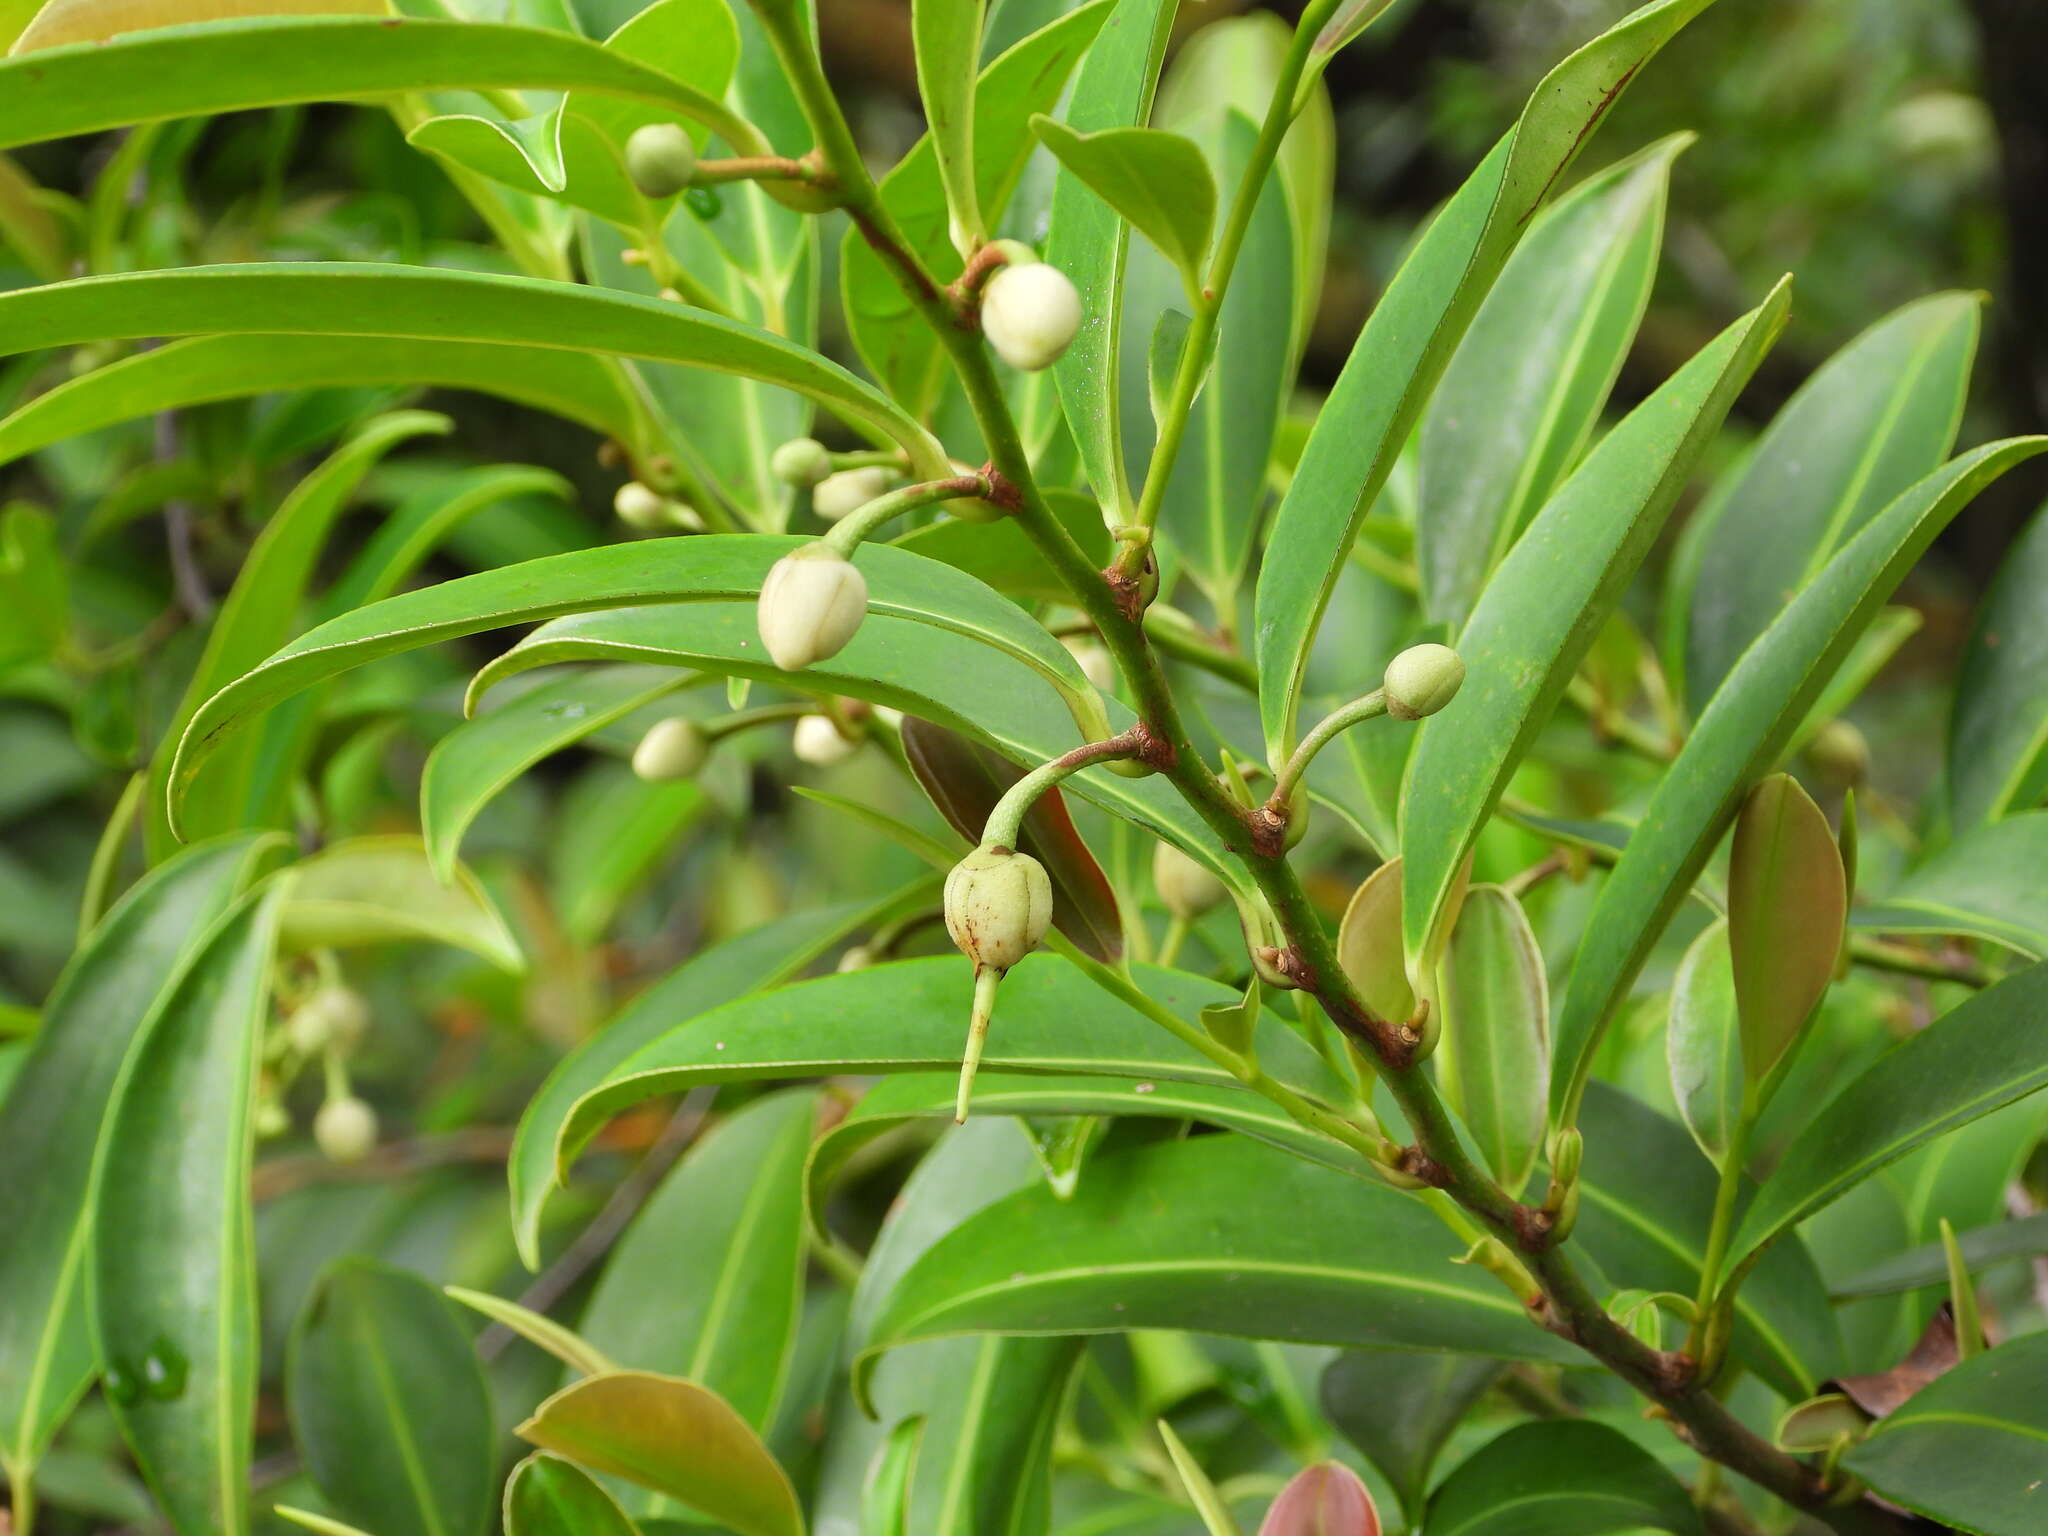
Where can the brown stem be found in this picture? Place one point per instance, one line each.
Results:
(711, 173)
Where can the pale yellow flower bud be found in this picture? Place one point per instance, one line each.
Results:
(1030, 314)
(672, 749)
(811, 604)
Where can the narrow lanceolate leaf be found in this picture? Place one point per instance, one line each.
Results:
(1967, 1449)
(1209, 1235)
(1527, 385)
(389, 1406)
(381, 890)
(1157, 182)
(1090, 243)
(948, 46)
(1564, 1476)
(1408, 340)
(1400, 1407)
(762, 957)
(98, 21)
(1985, 885)
(1987, 1053)
(1703, 1043)
(1998, 735)
(1494, 1059)
(419, 304)
(707, 1281)
(1351, 19)
(1878, 417)
(676, 1438)
(547, 1496)
(1750, 721)
(1201, 1491)
(51, 1121)
(174, 1269)
(1539, 615)
(1787, 898)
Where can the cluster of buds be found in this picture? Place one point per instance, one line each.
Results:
(326, 1026)
(661, 159)
(998, 907)
(1030, 311)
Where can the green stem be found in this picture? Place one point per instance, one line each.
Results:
(1712, 1294)
(1176, 935)
(1007, 819)
(1371, 707)
(1904, 960)
(851, 531)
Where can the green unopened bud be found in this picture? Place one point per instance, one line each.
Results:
(1187, 886)
(333, 1018)
(1840, 755)
(802, 461)
(998, 906)
(345, 1130)
(661, 159)
(672, 749)
(848, 491)
(1422, 680)
(1030, 313)
(811, 604)
(819, 742)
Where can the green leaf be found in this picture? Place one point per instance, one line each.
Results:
(1986, 1053)
(1369, 944)
(1409, 339)
(1563, 1477)
(1209, 1504)
(380, 890)
(420, 304)
(547, 1496)
(1985, 885)
(1928, 1264)
(1002, 555)
(173, 1292)
(1156, 181)
(1646, 1205)
(1998, 733)
(1088, 242)
(1539, 615)
(707, 1280)
(389, 1406)
(33, 586)
(1401, 1408)
(537, 1329)
(1739, 737)
(1703, 1043)
(1208, 1235)
(1877, 418)
(947, 39)
(1494, 1059)
(1787, 898)
(1967, 1449)
(51, 1121)
(762, 957)
(323, 1524)
(676, 1438)
(910, 1016)
(615, 832)
(1525, 388)
(92, 21)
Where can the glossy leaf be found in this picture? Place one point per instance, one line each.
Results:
(537, 1329)
(377, 890)
(389, 1406)
(1986, 1053)
(1748, 723)
(1526, 387)
(1703, 1043)
(1539, 615)
(1967, 1450)
(1986, 885)
(1564, 1477)
(1157, 182)
(1003, 556)
(1998, 732)
(616, 831)
(1878, 417)
(947, 35)
(173, 1292)
(1401, 1408)
(1408, 340)
(1494, 1059)
(1786, 901)
(547, 1496)
(676, 1438)
(1369, 944)
(1927, 1265)
(98, 21)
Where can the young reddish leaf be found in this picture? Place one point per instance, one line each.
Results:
(1324, 1500)
(1933, 1355)
(1787, 901)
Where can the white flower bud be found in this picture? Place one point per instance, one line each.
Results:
(661, 159)
(800, 461)
(998, 906)
(848, 491)
(1187, 887)
(811, 604)
(1422, 680)
(345, 1129)
(672, 749)
(817, 741)
(858, 958)
(332, 1018)
(1030, 314)
(646, 509)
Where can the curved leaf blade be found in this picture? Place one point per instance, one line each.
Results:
(547, 1496)
(1787, 897)
(1561, 1478)
(1494, 1059)
(1998, 733)
(1703, 1043)
(1986, 885)
(382, 889)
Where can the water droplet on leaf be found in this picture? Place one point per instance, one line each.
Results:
(121, 1383)
(164, 1370)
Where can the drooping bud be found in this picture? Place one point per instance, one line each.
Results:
(345, 1129)
(811, 604)
(998, 906)
(661, 159)
(818, 741)
(1187, 886)
(1324, 1500)
(802, 461)
(1030, 313)
(1422, 680)
(333, 1018)
(642, 507)
(848, 491)
(672, 749)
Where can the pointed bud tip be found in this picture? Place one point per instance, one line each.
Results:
(1327, 1499)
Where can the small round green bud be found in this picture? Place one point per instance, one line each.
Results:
(1030, 314)
(345, 1130)
(1840, 755)
(661, 159)
(848, 491)
(674, 748)
(1187, 886)
(333, 1018)
(801, 461)
(998, 906)
(817, 741)
(1422, 680)
(811, 604)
